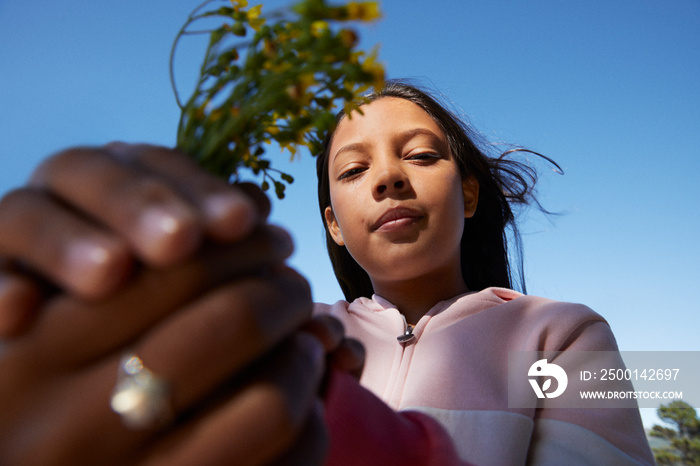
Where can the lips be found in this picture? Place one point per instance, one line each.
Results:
(396, 218)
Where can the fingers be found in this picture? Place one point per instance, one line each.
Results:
(89, 211)
(154, 199)
(252, 423)
(233, 325)
(58, 393)
(228, 213)
(345, 354)
(260, 421)
(157, 223)
(152, 295)
(349, 357)
(67, 248)
(327, 329)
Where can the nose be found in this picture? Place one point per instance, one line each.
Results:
(390, 179)
(397, 185)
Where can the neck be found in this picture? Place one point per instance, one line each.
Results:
(415, 297)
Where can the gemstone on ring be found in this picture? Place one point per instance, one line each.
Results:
(141, 398)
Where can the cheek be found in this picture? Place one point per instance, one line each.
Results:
(344, 206)
(445, 194)
(448, 208)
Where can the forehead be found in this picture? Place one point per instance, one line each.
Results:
(383, 118)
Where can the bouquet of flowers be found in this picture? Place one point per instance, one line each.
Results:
(279, 78)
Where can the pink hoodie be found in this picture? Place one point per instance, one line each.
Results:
(455, 371)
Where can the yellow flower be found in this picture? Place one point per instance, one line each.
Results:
(318, 28)
(363, 11)
(254, 12)
(254, 18)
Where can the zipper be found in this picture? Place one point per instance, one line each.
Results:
(393, 392)
(408, 335)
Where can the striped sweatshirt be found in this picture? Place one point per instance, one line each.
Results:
(442, 396)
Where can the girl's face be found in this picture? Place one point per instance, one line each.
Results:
(398, 202)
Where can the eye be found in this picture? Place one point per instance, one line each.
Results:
(350, 173)
(425, 157)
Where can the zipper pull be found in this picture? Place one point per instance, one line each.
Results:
(407, 336)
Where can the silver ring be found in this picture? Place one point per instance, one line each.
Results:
(140, 397)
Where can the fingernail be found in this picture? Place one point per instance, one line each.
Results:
(86, 262)
(167, 232)
(231, 216)
(159, 222)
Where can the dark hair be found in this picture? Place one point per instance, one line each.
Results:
(502, 183)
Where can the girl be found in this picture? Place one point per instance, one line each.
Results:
(416, 219)
(415, 216)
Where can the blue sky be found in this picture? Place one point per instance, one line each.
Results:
(609, 89)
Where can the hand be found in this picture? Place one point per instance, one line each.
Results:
(65, 216)
(343, 354)
(88, 214)
(57, 379)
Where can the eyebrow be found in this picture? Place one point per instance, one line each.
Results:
(411, 133)
(354, 147)
(402, 138)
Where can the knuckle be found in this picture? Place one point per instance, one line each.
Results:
(149, 189)
(18, 196)
(234, 320)
(133, 153)
(249, 314)
(220, 304)
(20, 211)
(12, 199)
(55, 164)
(156, 155)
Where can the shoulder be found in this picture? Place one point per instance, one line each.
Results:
(535, 310)
(549, 324)
(545, 309)
(330, 309)
(340, 310)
